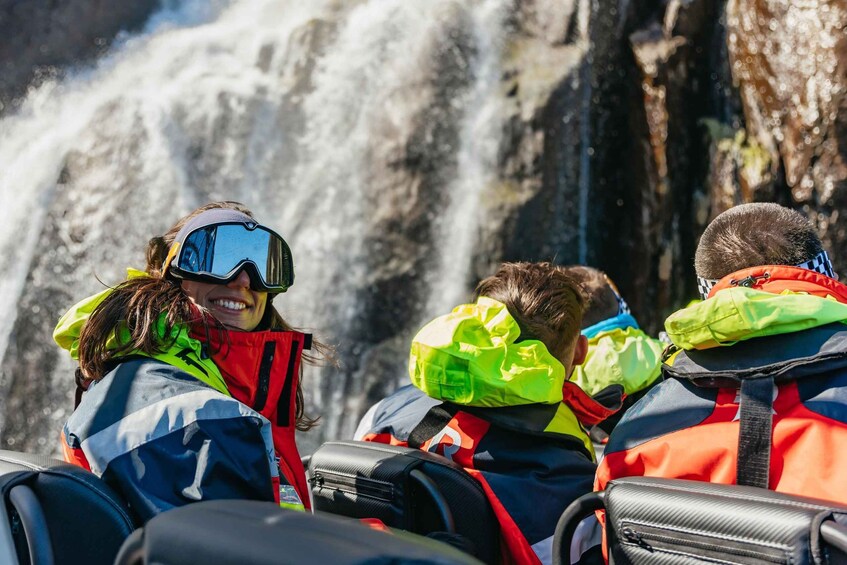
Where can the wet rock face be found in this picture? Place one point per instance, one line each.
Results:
(607, 132)
(738, 103)
(657, 78)
(790, 62)
(532, 211)
(40, 37)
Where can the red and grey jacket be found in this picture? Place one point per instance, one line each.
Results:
(529, 473)
(262, 370)
(187, 426)
(755, 391)
(162, 439)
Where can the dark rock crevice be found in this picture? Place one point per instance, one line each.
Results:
(41, 38)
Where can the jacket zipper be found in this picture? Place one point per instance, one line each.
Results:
(283, 407)
(264, 376)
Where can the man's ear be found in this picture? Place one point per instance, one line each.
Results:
(580, 350)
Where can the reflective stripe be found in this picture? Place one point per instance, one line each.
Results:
(165, 417)
(588, 534)
(544, 550)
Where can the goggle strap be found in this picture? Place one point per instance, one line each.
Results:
(172, 252)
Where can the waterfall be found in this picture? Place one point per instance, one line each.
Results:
(363, 133)
(479, 143)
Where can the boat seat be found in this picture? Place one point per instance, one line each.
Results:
(405, 488)
(235, 532)
(652, 520)
(57, 513)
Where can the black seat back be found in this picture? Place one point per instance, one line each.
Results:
(670, 521)
(58, 513)
(407, 489)
(238, 532)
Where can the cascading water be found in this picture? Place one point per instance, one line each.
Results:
(479, 143)
(364, 134)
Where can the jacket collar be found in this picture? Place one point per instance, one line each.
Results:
(259, 368)
(779, 278)
(620, 321)
(787, 322)
(183, 351)
(757, 302)
(785, 357)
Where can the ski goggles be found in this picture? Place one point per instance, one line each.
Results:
(213, 251)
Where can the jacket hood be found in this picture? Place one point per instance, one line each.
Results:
(470, 357)
(779, 278)
(738, 313)
(185, 352)
(619, 355)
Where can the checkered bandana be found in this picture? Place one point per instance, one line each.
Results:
(623, 307)
(819, 264)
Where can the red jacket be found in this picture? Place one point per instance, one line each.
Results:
(262, 370)
(688, 426)
(529, 467)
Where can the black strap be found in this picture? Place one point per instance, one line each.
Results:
(434, 421)
(82, 384)
(283, 407)
(264, 382)
(754, 436)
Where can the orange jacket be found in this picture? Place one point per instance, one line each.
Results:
(688, 426)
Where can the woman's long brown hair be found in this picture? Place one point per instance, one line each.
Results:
(137, 304)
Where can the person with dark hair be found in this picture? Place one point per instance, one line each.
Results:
(619, 352)
(191, 377)
(490, 391)
(755, 389)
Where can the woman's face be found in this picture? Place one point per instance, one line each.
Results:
(234, 303)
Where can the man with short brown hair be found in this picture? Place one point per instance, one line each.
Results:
(491, 392)
(755, 388)
(763, 233)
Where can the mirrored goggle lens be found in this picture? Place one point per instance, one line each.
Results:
(219, 251)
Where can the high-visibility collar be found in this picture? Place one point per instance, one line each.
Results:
(758, 301)
(779, 278)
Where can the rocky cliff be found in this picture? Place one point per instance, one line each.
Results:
(406, 148)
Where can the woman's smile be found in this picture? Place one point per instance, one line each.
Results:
(234, 304)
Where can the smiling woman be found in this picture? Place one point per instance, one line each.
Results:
(228, 264)
(192, 378)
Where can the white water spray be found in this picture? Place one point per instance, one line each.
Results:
(479, 143)
(284, 105)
